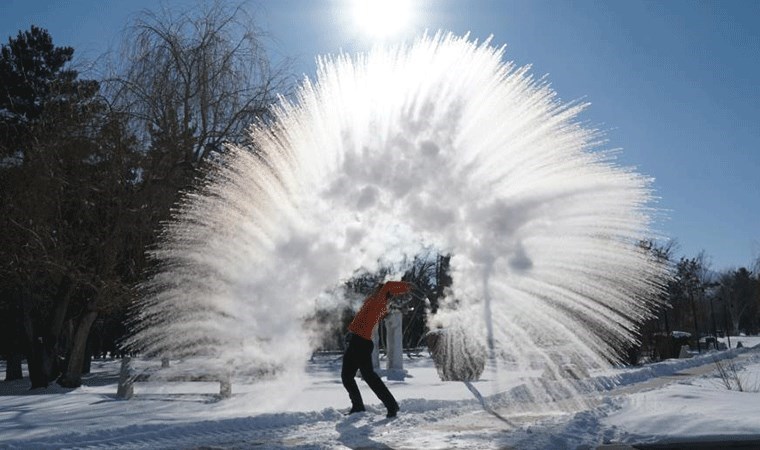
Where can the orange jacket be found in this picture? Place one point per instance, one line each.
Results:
(375, 307)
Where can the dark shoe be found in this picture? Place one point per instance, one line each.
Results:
(392, 412)
(356, 409)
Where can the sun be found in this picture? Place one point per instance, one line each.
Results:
(381, 18)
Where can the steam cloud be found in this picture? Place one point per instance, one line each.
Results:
(438, 143)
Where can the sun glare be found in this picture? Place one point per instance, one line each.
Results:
(381, 18)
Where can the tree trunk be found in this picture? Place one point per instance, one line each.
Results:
(13, 366)
(72, 377)
(42, 350)
(63, 298)
(87, 362)
(34, 353)
(42, 363)
(15, 351)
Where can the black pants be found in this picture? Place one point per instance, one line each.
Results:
(358, 356)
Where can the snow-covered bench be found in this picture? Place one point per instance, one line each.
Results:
(127, 379)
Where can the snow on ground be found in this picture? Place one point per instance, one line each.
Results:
(673, 401)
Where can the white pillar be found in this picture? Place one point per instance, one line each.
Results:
(125, 390)
(395, 350)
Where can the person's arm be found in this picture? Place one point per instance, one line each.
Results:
(396, 288)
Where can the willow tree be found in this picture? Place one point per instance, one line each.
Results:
(190, 82)
(193, 81)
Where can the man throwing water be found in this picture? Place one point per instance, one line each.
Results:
(358, 355)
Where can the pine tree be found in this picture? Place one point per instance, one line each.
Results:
(32, 72)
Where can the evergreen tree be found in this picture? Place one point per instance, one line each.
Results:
(32, 73)
(64, 190)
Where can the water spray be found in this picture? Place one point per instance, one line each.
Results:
(542, 225)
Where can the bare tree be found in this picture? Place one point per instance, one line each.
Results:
(84, 187)
(189, 81)
(194, 80)
(691, 279)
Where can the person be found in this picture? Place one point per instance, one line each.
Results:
(358, 354)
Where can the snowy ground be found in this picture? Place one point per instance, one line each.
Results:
(674, 401)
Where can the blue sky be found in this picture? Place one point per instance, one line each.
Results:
(675, 84)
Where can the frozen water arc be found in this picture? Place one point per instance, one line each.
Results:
(436, 143)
